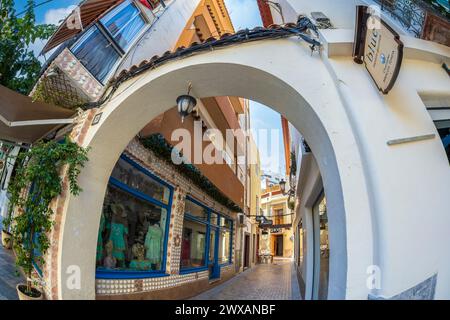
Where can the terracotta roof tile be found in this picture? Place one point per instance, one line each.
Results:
(256, 33)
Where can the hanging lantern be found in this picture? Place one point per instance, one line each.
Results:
(186, 104)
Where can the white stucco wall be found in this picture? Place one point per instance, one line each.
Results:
(163, 34)
(389, 203)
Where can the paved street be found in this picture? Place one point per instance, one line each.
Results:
(8, 278)
(275, 281)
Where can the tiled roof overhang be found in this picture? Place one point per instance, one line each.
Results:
(302, 29)
(89, 12)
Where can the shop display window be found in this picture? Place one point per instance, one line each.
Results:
(193, 245)
(224, 246)
(201, 227)
(134, 220)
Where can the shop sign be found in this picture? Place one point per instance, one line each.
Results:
(379, 47)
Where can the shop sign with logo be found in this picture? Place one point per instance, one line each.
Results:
(379, 47)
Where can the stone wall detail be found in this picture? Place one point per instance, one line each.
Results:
(423, 291)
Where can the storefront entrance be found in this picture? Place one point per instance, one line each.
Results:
(247, 251)
(279, 245)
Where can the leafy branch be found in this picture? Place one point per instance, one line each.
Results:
(37, 182)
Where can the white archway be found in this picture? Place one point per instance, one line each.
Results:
(281, 74)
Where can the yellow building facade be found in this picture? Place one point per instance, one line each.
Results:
(277, 239)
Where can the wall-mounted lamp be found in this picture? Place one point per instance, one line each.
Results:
(283, 186)
(186, 104)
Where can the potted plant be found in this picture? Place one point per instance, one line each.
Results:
(6, 235)
(37, 182)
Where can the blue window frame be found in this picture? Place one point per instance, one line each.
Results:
(124, 23)
(102, 45)
(212, 230)
(147, 212)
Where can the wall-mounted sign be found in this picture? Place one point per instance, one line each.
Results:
(379, 47)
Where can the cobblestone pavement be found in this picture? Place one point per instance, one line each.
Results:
(8, 278)
(275, 281)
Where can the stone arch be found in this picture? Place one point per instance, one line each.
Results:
(282, 75)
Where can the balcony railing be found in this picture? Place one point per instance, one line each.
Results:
(420, 17)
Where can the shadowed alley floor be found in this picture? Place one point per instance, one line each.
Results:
(275, 281)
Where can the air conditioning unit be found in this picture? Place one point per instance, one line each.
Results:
(241, 220)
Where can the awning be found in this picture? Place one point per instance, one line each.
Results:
(87, 12)
(22, 120)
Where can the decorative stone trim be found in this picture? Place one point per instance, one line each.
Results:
(73, 68)
(59, 206)
(125, 286)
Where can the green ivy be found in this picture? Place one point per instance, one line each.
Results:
(37, 182)
(161, 148)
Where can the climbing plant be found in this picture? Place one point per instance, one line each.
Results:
(37, 182)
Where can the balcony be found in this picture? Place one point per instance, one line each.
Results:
(420, 18)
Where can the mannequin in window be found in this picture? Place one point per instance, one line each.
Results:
(153, 242)
(119, 234)
(109, 262)
(139, 262)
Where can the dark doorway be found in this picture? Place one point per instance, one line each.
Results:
(279, 245)
(247, 251)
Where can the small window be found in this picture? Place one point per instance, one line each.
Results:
(96, 53)
(195, 210)
(124, 24)
(138, 180)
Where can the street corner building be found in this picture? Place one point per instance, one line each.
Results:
(365, 118)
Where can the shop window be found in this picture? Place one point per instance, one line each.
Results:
(207, 238)
(193, 245)
(195, 210)
(224, 246)
(134, 221)
(126, 173)
(214, 218)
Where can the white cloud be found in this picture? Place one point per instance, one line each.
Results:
(54, 16)
(244, 13)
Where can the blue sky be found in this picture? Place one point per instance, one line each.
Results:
(244, 14)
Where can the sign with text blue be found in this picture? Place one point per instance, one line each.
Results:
(383, 53)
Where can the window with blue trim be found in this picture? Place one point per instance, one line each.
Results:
(193, 246)
(201, 226)
(103, 44)
(134, 222)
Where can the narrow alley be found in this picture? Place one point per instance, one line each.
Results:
(276, 281)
